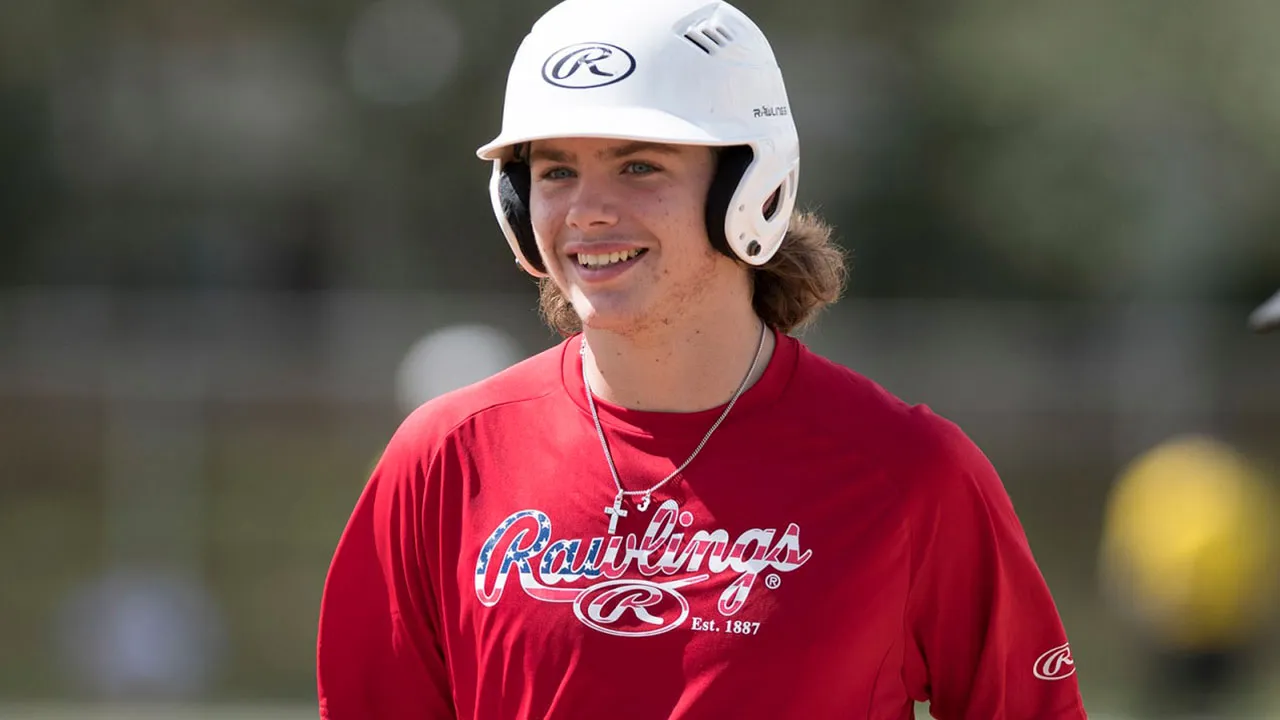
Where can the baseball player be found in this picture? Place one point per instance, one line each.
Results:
(680, 511)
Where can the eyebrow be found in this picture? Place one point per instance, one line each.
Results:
(620, 151)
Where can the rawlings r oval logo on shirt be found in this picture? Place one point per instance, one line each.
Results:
(1056, 664)
(634, 607)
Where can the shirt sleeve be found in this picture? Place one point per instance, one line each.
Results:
(984, 639)
(378, 653)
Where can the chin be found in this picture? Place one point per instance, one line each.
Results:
(612, 322)
(618, 317)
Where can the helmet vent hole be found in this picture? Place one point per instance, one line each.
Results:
(708, 37)
(771, 205)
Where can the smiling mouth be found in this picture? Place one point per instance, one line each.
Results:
(591, 260)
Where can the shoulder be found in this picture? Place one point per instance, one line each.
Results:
(433, 422)
(924, 451)
(838, 394)
(852, 400)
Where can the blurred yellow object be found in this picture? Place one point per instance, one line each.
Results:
(1189, 543)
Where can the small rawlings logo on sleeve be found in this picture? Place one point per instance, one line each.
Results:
(1056, 664)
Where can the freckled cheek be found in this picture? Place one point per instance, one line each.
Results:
(547, 219)
(680, 221)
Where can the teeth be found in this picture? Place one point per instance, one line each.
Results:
(600, 260)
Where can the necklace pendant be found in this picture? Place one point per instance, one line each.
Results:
(643, 505)
(614, 512)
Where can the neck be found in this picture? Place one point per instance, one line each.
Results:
(677, 368)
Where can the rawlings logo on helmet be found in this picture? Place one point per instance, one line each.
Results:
(588, 65)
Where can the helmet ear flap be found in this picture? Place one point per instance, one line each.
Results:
(730, 169)
(511, 199)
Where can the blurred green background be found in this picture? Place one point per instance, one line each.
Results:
(239, 240)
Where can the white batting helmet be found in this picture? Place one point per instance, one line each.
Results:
(682, 72)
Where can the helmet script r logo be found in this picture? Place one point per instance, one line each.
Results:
(588, 65)
(1056, 664)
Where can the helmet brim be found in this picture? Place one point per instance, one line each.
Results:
(621, 123)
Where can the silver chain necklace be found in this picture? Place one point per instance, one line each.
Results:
(615, 511)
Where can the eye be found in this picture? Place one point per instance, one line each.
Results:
(556, 173)
(639, 167)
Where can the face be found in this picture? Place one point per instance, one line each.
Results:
(622, 231)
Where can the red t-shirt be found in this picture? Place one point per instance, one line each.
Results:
(832, 553)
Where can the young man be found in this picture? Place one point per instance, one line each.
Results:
(679, 511)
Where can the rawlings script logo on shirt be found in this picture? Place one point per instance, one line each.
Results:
(606, 601)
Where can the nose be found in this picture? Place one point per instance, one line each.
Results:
(591, 207)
